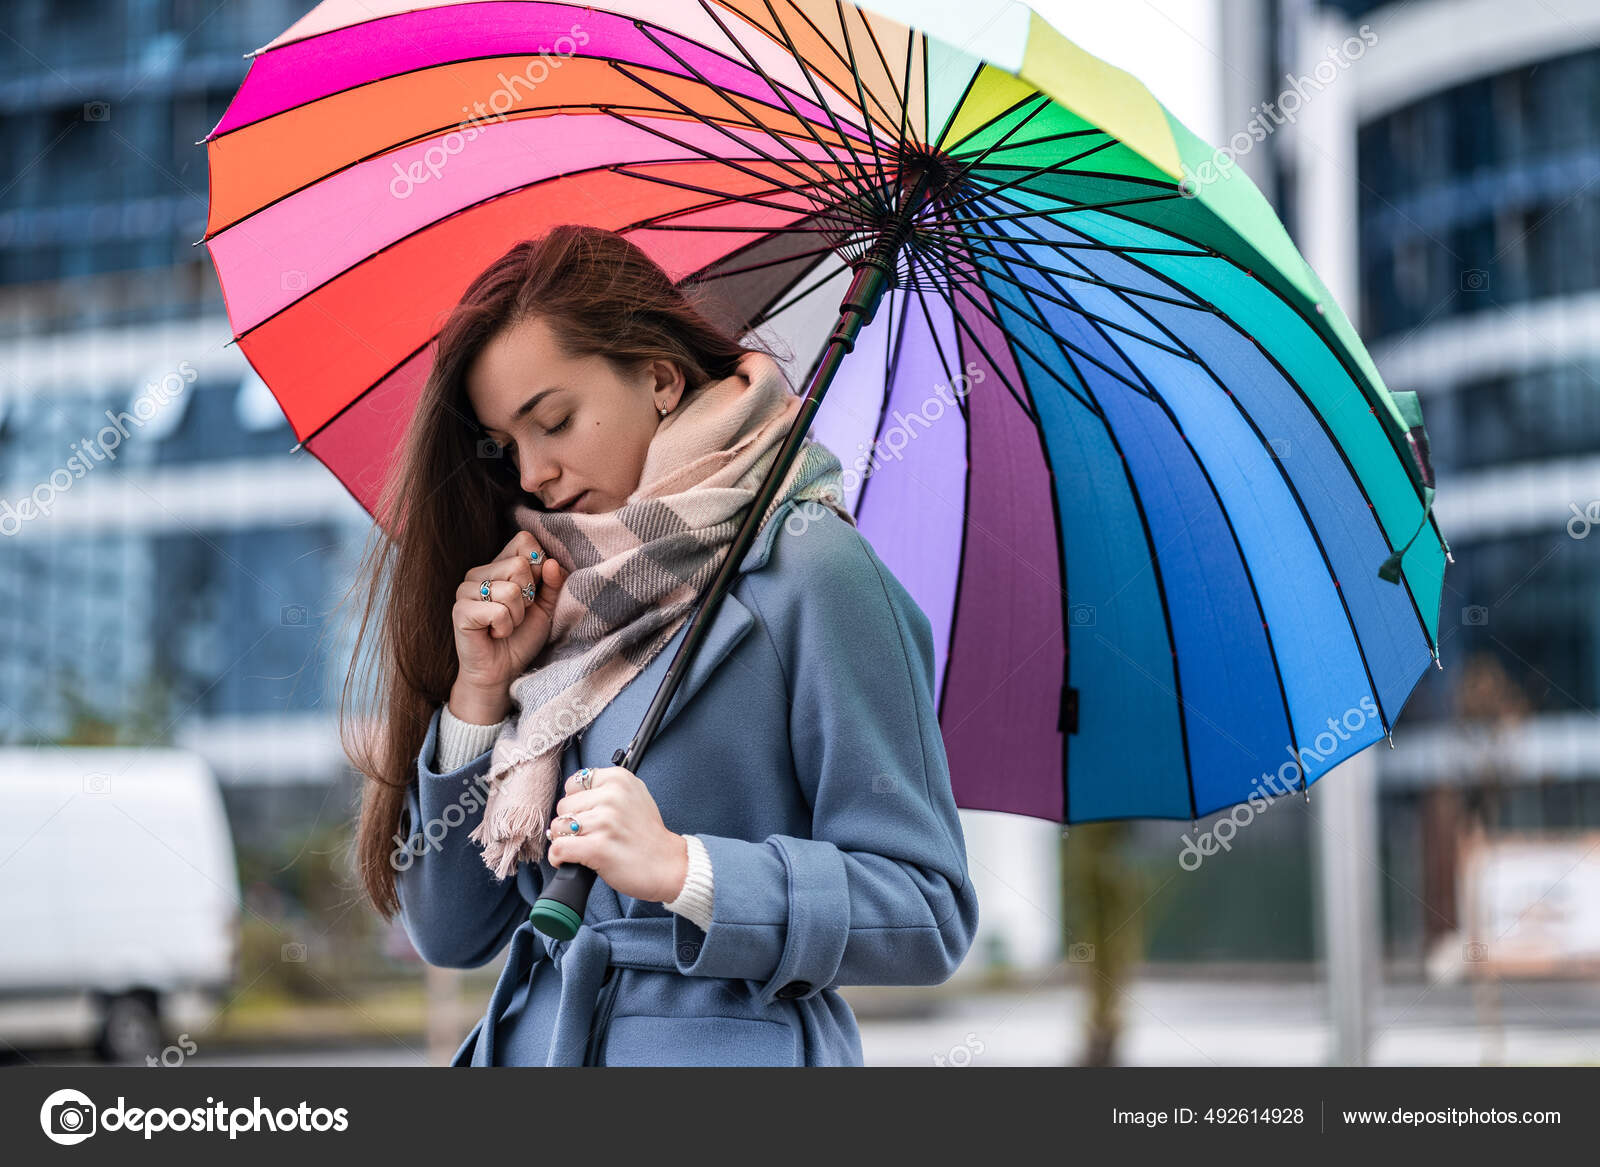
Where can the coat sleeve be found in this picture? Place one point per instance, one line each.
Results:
(456, 912)
(879, 893)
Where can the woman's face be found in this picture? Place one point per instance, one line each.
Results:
(571, 426)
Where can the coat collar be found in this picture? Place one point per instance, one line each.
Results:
(728, 627)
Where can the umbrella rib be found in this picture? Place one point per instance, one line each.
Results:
(805, 69)
(1294, 492)
(1027, 143)
(717, 196)
(1043, 105)
(1289, 380)
(727, 97)
(1037, 359)
(1081, 244)
(1053, 491)
(693, 149)
(1072, 305)
(597, 107)
(1156, 398)
(1061, 166)
(966, 91)
(1094, 408)
(1070, 208)
(902, 95)
(1078, 276)
(1156, 570)
(768, 313)
(805, 121)
(1337, 353)
(891, 351)
(716, 125)
(715, 273)
(827, 40)
(861, 94)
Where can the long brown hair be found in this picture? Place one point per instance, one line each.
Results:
(446, 504)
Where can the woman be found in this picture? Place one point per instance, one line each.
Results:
(793, 829)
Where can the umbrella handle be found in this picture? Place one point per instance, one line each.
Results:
(559, 911)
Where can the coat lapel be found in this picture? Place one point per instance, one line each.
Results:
(729, 626)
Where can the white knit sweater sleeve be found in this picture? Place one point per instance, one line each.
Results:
(694, 900)
(461, 741)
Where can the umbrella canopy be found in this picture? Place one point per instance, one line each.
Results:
(1108, 427)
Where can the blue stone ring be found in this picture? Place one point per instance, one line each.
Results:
(483, 589)
(587, 775)
(535, 556)
(574, 828)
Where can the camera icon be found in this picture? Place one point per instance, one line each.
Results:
(1081, 615)
(1475, 614)
(489, 448)
(97, 784)
(1475, 953)
(72, 1118)
(1474, 279)
(1280, 448)
(294, 281)
(292, 615)
(97, 111)
(1081, 953)
(882, 783)
(294, 952)
(688, 951)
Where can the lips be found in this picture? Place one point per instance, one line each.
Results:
(569, 503)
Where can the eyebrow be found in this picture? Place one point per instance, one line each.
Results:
(527, 406)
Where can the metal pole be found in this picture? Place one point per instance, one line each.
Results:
(1344, 802)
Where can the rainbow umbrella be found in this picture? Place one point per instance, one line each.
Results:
(1095, 410)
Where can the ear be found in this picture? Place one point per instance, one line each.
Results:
(669, 382)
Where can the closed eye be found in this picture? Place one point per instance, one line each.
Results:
(557, 429)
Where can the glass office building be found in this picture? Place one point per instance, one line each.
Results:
(180, 585)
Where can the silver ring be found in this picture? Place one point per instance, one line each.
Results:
(535, 556)
(529, 591)
(587, 775)
(483, 589)
(575, 827)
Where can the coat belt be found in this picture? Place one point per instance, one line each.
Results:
(623, 941)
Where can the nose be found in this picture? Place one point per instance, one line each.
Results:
(534, 473)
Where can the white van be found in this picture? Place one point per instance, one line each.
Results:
(119, 898)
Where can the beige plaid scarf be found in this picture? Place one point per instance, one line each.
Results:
(637, 573)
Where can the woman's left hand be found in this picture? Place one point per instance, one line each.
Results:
(623, 838)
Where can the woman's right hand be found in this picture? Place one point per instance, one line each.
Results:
(497, 638)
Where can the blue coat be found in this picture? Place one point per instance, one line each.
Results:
(811, 765)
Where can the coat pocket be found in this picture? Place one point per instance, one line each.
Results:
(638, 1039)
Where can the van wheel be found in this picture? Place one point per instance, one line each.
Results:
(131, 1031)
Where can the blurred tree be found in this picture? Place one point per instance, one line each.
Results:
(1104, 935)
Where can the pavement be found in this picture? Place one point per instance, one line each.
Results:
(1167, 1022)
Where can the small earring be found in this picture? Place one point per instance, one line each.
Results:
(663, 410)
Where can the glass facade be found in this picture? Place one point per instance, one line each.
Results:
(101, 105)
(174, 617)
(1482, 196)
